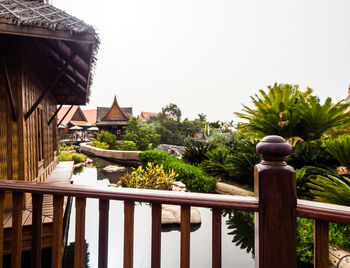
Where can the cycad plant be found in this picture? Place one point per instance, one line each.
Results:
(195, 154)
(275, 112)
(339, 148)
(317, 119)
(331, 189)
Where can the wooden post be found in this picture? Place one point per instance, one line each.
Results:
(275, 223)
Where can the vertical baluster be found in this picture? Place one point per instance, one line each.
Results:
(321, 251)
(156, 235)
(216, 238)
(16, 248)
(103, 234)
(57, 236)
(128, 234)
(185, 236)
(79, 249)
(2, 194)
(37, 204)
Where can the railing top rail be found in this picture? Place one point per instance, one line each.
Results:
(138, 195)
(322, 211)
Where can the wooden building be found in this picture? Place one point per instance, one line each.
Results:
(46, 60)
(113, 119)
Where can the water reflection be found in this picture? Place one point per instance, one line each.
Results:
(232, 255)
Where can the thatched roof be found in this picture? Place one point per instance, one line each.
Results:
(63, 38)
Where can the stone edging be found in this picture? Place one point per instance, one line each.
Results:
(224, 188)
(121, 156)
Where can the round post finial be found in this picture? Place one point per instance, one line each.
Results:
(273, 150)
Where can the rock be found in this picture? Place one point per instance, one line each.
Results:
(171, 149)
(113, 185)
(171, 214)
(174, 152)
(178, 186)
(88, 160)
(224, 188)
(112, 168)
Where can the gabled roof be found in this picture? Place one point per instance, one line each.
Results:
(90, 115)
(75, 114)
(144, 116)
(62, 38)
(113, 115)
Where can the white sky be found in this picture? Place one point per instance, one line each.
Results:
(209, 56)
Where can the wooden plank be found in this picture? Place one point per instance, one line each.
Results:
(8, 88)
(321, 250)
(18, 199)
(37, 200)
(2, 199)
(103, 233)
(128, 234)
(156, 235)
(216, 238)
(79, 248)
(57, 235)
(185, 236)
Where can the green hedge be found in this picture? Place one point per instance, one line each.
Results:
(192, 176)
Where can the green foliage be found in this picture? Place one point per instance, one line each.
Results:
(129, 146)
(304, 176)
(311, 153)
(331, 189)
(235, 163)
(195, 154)
(109, 139)
(339, 148)
(77, 158)
(171, 110)
(288, 112)
(217, 162)
(99, 144)
(317, 119)
(192, 176)
(338, 237)
(150, 177)
(144, 137)
(64, 148)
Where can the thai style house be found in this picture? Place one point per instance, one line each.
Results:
(145, 116)
(113, 119)
(46, 59)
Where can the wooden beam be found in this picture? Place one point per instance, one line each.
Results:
(34, 31)
(59, 108)
(63, 70)
(65, 115)
(8, 88)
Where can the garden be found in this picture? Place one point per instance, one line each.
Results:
(318, 132)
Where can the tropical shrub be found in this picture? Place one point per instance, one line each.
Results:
(77, 158)
(288, 112)
(192, 176)
(129, 146)
(331, 189)
(311, 153)
(64, 148)
(217, 162)
(150, 177)
(99, 144)
(109, 139)
(339, 148)
(195, 154)
(144, 137)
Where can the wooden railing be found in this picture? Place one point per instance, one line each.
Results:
(275, 205)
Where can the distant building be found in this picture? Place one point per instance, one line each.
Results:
(145, 116)
(113, 119)
(74, 116)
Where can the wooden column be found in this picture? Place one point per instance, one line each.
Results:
(103, 233)
(321, 246)
(275, 223)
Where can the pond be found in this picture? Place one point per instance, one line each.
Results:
(232, 255)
